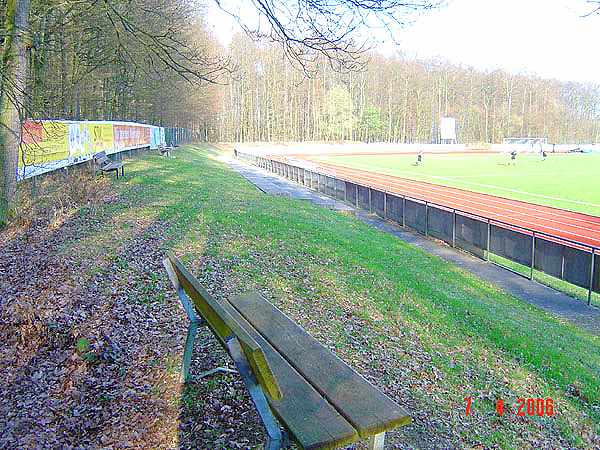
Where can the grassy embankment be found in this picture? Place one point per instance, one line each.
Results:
(447, 334)
(426, 332)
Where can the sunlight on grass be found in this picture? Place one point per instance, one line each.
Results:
(440, 330)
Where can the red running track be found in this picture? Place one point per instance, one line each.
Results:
(578, 227)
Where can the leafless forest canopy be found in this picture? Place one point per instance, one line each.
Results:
(154, 61)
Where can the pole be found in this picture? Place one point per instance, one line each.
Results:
(454, 228)
(404, 211)
(489, 234)
(591, 277)
(370, 204)
(356, 189)
(532, 255)
(385, 205)
(426, 219)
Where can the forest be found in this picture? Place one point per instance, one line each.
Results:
(154, 61)
(395, 99)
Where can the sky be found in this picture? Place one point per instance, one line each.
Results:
(549, 38)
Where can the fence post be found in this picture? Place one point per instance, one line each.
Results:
(591, 277)
(532, 255)
(403, 211)
(385, 205)
(356, 188)
(489, 234)
(370, 204)
(426, 219)
(454, 228)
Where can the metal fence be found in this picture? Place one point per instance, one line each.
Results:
(567, 260)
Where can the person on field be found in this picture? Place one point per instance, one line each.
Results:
(513, 157)
(419, 158)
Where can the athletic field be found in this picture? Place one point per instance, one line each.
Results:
(568, 181)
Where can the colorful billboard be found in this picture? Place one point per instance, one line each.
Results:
(51, 144)
(43, 142)
(130, 136)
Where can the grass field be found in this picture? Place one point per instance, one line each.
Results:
(423, 330)
(568, 181)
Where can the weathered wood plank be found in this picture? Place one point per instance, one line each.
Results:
(223, 325)
(368, 409)
(311, 420)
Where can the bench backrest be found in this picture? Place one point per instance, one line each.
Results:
(101, 158)
(224, 326)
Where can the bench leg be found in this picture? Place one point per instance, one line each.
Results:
(377, 441)
(276, 438)
(210, 372)
(122, 171)
(189, 348)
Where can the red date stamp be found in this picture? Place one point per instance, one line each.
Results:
(541, 407)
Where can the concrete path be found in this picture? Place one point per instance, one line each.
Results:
(574, 310)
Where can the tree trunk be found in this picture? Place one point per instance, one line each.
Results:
(12, 96)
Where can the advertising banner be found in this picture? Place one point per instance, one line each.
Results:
(51, 144)
(130, 136)
(100, 138)
(43, 142)
(78, 138)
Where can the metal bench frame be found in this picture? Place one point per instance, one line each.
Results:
(104, 161)
(276, 438)
(165, 150)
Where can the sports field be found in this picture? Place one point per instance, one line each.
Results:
(568, 181)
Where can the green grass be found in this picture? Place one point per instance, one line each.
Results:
(433, 334)
(568, 181)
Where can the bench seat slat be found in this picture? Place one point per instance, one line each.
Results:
(368, 409)
(112, 166)
(312, 421)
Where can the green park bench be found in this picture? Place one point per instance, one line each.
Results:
(292, 379)
(165, 150)
(105, 164)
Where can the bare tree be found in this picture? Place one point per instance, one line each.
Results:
(595, 5)
(13, 71)
(340, 30)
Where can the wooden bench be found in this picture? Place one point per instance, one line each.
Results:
(107, 165)
(165, 150)
(319, 399)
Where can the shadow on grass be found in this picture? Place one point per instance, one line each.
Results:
(419, 329)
